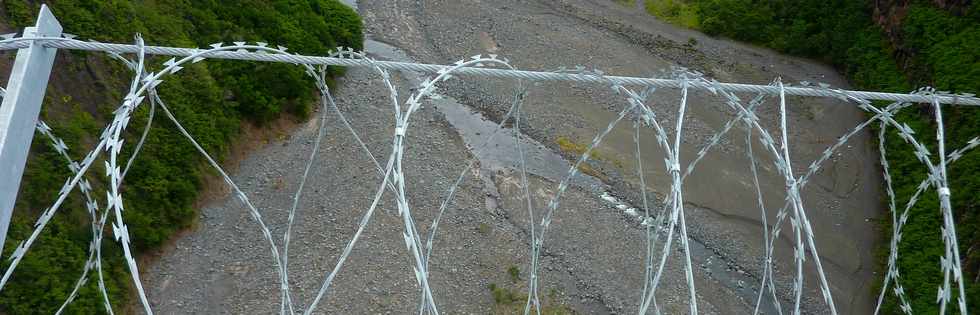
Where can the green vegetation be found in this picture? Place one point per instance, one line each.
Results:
(212, 99)
(484, 228)
(576, 149)
(936, 48)
(680, 12)
(512, 300)
(515, 274)
(502, 296)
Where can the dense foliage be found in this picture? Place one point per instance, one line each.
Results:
(212, 99)
(936, 48)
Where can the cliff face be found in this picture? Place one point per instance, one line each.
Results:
(888, 14)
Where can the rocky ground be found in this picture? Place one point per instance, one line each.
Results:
(593, 255)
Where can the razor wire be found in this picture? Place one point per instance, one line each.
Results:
(98, 224)
(393, 177)
(91, 205)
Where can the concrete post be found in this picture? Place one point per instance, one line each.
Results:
(18, 113)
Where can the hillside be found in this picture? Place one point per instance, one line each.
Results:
(213, 99)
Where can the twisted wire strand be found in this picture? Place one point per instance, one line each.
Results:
(66, 43)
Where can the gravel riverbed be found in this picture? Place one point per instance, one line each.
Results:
(593, 256)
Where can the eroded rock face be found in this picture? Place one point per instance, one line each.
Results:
(889, 15)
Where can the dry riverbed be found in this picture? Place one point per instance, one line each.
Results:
(593, 256)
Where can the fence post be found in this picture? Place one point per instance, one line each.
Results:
(21, 106)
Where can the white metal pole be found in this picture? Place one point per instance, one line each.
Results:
(21, 106)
